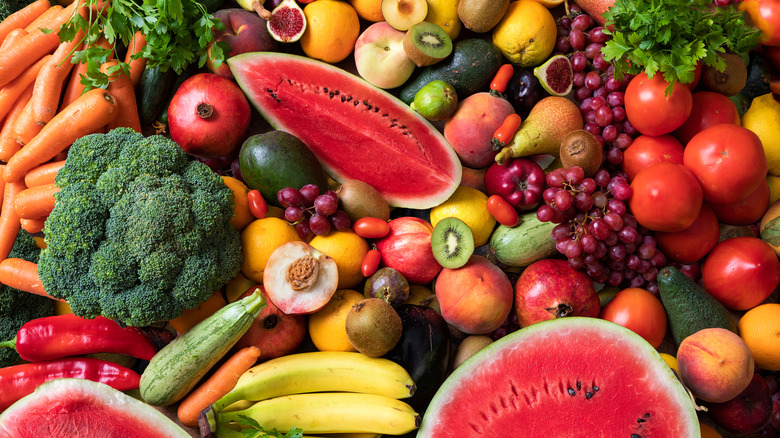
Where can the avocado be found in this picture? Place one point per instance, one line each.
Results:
(274, 160)
(689, 307)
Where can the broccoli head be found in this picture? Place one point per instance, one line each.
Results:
(140, 230)
(18, 307)
(8, 7)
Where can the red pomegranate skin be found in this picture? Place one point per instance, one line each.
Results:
(550, 288)
(209, 116)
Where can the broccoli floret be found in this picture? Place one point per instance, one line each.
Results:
(140, 230)
(18, 307)
(8, 7)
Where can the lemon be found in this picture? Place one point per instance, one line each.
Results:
(470, 206)
(347, 249)
(670, 360)
(774, 188)
(328, 326)
(445, 14)
(526, 35)
(259, 239)
(763, 118)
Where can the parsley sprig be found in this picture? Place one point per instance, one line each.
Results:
(255, 430)
(672, 36)
(178, 33)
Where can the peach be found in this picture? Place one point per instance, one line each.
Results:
(380, 57)
(407, 249)
(715, 364)
(475, 298)
(470, 130)
(244, 32)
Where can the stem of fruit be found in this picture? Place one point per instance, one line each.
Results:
(264, 13)
(204, 110)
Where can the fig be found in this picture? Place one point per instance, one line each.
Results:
(387, 284)
(287, 22)
(556, 75)
(437, 100)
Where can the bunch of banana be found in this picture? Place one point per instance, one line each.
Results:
(322, 393)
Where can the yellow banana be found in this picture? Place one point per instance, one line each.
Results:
(320, 371)
(329, 412)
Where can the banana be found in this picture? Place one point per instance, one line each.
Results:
(329, 412)
(320, 371)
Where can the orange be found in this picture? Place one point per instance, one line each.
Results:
(347, 249)
(759, 327)
(332, 28)
(259, 239)
(241, 216)
(327, 326)
(370, 10)
(708, 431)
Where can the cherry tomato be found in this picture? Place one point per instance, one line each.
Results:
(639, 311)
(746, 211)
(506, 131)
(647, 149)
(371, 227)
(666, 197)
(709, 108)
(502, 77)
(694, 242)
(257, 205)
(728, 161)
(504, 213)
(741, 272)
(650, 111)
(370, 262)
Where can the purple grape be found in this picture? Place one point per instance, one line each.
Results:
(583, 92)
(583, 201)
(578, 80)
(293, 213)
(604, 116)
(616, 98)
(581, 22)
(613, 220)
(589, 117)
(310, 193)
(289, 196)
(575, 175)
(576, 263)
(577, 39)
(616, 206)
(623, 140)
(615, 155)
(579, 61)
(565, 22)
(563, 200)
(545, 213)
(319, 225)
(593, 49)
(325, 205)
(601, 64)
(618, 115)
(302, 228)
(597, 35)
(593, 80)
(340, 221)
(612, 84)
(588, 185)
(593, 127)
(615, 278)
(597, 102)
(562, 44)
(609, 133)
(588, 243)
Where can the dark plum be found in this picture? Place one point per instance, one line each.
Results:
(523, 91)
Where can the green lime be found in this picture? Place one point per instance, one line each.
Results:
(437, 100)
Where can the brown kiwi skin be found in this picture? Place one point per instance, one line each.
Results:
(358, 200)
(728, 82)
(581, 148)
(481, 15)
(373, 327)
(468, 347)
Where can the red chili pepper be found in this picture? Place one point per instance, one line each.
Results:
(506, 131)
(501, 79)
(19, 380)
(58, 336)
(257, 205)
(370, 262)
(371, 227)
(502, 211)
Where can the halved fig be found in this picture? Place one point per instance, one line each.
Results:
(298, 279)
(556, 75)
(287, 22)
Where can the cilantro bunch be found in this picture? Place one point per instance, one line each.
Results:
(255, 430)
(672, 36)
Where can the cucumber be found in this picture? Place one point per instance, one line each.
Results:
(152, 93)
(180, 365)
(529, 241)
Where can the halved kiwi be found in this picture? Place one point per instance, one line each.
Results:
(427, 43)
(452, 242)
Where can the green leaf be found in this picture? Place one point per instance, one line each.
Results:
(771, 232)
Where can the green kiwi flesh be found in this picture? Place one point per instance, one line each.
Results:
(452, 242)
(427, 43)
(373, 327)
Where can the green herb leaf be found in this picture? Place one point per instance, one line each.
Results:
(255, 430)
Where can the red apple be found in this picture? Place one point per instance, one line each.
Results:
(520, 181)
(273, 331)
(746, 413)
(244, 32)
(550, 288)
(407, 249)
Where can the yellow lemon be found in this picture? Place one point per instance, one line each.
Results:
(259, 239)
(670, 360)
(763, 118)
(332, 27)
(526, 35)
(774, 188)
(445, 14)
(327, 326)
(347, 249)
(469, 205)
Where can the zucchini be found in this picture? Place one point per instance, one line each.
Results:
(152, 92)
(179, 366)
(531, 240)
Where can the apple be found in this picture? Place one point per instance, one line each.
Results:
(407, 248)
(244, 32)
(746, 413)
(273, 331)
(380, 57)
(520, 181)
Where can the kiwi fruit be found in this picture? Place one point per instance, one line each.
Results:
(373, 327)
(358, 200)
(388, 284)
(427, 43)
(481, 15)
(581, 148)
(728, 82)
(452, 242)
(468, 347)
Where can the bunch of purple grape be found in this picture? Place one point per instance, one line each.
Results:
(312, 212)
(596, 232)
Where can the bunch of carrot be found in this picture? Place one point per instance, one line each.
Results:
(44, 108)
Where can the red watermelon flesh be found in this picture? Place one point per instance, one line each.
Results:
(355, 129)
(75, 408)
(568, 377)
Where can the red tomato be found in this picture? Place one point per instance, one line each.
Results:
(639, 311)
(257, 205)
(741, 272)
(650, 111)
(370, 262)
(696, 76)
(666, 197)
(765, 15)
(694, 242)
(502, 211)
(647, 150)
(709, 108)
(371, 227)
(728, 161)
(746, 211)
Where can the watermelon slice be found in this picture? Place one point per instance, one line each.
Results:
(83, 408)
(356, 130)
(568, 377)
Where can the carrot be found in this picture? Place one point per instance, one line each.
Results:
(137, 65)
(50, 80)
(44, 18)
(35, 202)
(25, 127)
(75, 88)
(12, 37)
(23, 275)
(43, 174)
(11, 91)
(121, 87)
(93, 109)
(32, 226)
(23, 17)
(8, 143)
(9, 220)
(215, 387)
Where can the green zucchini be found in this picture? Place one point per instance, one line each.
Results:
(179, 366)
(152, 93)
(531, 240)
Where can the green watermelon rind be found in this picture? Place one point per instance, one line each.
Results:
(240, 66)
(489, 357)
